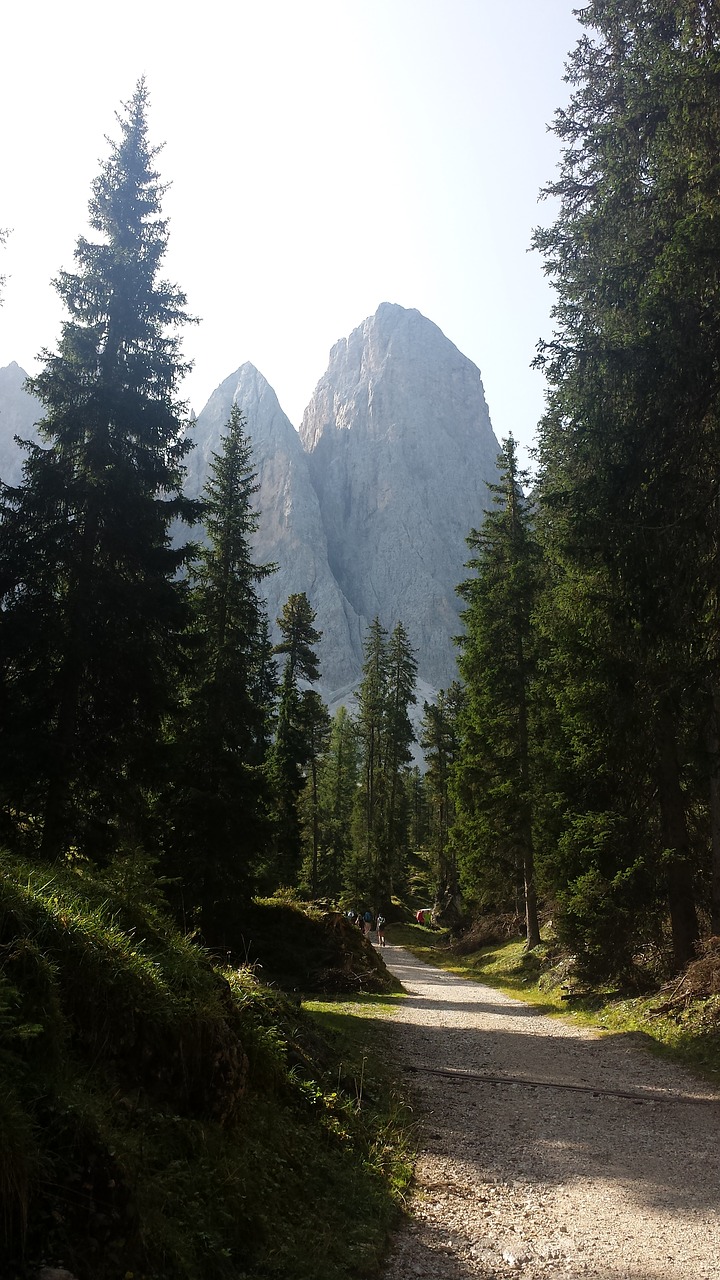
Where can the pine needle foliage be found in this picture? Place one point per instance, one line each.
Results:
(493, 774)
(92, 608)
(628, 454)
(218, 831)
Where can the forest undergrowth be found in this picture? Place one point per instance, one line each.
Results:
(165, 1115)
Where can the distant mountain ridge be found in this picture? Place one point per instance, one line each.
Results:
(368, 506)
(19, 412)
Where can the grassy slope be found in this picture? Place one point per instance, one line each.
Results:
(687, 1032)
(166, 1118)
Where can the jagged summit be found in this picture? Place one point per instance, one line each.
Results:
(290, 532)
(367, 508)
(269, 426)
(400, 449)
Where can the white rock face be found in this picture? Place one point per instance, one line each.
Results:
(290, 532)
(401, 449)
(368, 508)
(18, 414)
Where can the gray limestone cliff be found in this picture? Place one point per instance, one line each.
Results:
(290, 531)
(400, 449)
(367, 509)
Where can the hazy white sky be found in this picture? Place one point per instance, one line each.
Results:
(324, 155)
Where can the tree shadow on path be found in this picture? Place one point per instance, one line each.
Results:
(664, 1155)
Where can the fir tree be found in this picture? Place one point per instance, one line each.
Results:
(631, 440)
(316, 722)
(295, 735)
(493, 784)
(337, 787)
(400, 735)
(439, 740)
(92, 608)
(385, 735)
(220, 822)
(372, 726)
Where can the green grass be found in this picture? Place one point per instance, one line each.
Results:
(174, 1119)
(355, 1028)
(689, 1035)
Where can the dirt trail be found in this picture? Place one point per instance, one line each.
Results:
(523, 1180)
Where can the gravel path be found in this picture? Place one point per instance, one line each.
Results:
(537, 1182)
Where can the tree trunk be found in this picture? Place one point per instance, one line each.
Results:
(315, 828)
(531, 915)
(714, 754)
(532, 925)
(681, 898)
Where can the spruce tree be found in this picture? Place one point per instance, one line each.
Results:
(439, 740)
(385, 735)
(299, 638)
(372, 741)
(630, 443)
(337, 787)
(493, 778)
(400, 735)
(316, 722)
(220, 828)
(91, 605)
(295, 736)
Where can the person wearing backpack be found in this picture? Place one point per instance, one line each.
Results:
(380, 930)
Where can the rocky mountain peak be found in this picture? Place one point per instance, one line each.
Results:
(367, 509)
(400, 450)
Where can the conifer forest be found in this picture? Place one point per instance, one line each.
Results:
(167, 761)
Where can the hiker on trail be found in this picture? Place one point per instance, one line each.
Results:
(368, 922)
(380, 929)
(420, 917)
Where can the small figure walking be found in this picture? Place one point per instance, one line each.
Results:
(367, 923)
(380, 929)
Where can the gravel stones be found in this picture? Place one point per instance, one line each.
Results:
(514, 1180)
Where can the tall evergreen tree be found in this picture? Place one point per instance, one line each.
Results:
(630, 442)
(400, 735)
(493, 783)
(371, 723)
(439, 740)
(337, 786)
(92, 608)
(299, 638)
(220, 821)
(316, 723)
(385, 735)
(295, 735)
